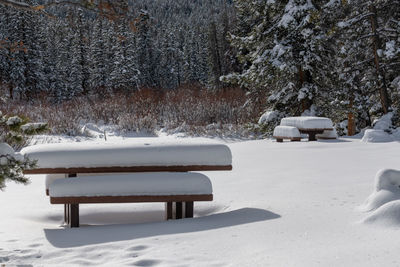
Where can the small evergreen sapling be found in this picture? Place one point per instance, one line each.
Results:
(13, 135)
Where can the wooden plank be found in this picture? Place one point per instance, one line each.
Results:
(314, 129)
(129, 199)
(279, 139)
(130, 169)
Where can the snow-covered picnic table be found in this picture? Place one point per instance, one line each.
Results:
(168, 166)
(309, 125)
(141, 155)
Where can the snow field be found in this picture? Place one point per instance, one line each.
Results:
(290, 204)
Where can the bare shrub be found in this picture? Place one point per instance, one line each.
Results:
(203, 112)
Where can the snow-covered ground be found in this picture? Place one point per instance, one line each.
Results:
(284, 204)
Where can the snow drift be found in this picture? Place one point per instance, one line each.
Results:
(384, 202)
(376, 136)
(388, 215)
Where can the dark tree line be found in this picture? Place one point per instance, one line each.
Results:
(77, 52)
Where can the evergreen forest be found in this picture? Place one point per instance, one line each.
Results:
(232, 66)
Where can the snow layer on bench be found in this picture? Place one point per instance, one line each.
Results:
(137, 184)
(286, 131)
(140, 152)
(50, 178)
(308, 122)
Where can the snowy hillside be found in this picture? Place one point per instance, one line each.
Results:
(284, 204)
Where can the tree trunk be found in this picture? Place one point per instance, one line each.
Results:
(383, 91)
(350, 119)
(11, 90)
(305, 102)
(215, 58)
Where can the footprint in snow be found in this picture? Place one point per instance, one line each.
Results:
(146, 263)
(137, 248)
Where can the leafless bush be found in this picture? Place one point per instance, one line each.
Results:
(145, 110)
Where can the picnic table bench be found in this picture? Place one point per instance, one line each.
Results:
(159, 169)
(286, 132)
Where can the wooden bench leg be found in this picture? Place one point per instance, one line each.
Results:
(66, 213)
(279, 140)
(74, 215)
(179, 210)
(189, 209)
(72, 209)
(168, 210)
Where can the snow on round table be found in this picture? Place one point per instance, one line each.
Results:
(308, 122)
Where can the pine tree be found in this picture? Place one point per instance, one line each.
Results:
(215, 57)
(285, 53)
(367, 56)
(13, 130)
(145, 50)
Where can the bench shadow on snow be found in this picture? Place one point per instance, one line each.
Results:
(339, 140)
(75, 237)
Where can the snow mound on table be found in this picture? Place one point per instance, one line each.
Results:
(137, 184)
(140, 152)
(286, 131)
(308, 122)
(376, 136)
(387, 215)
(387, 188)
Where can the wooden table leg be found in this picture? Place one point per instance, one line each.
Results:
(179, 210)
(168, 210)
(74, 215)
(189, 209)
(66, 213)
(73, 209)
(312, 136)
